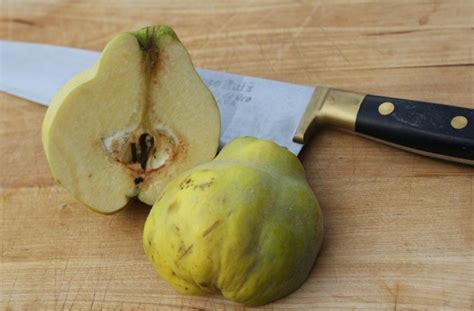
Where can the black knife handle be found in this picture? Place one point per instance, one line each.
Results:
(437, 130)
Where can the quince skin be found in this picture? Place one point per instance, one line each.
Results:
(246, 225)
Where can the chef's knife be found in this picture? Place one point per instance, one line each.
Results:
(286, 113)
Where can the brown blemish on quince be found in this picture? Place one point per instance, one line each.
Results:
(203, 186)
(184, 252)
(211, 228)
(186, 183)
(173, 207)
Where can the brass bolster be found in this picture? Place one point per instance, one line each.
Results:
(328, 106)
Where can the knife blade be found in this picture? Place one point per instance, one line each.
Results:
(286, 113)
(249, 106)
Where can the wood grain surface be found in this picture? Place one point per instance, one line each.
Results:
(399, 227)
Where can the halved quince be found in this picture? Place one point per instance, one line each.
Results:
(125, 127)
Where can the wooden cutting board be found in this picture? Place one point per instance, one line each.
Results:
(399, 227)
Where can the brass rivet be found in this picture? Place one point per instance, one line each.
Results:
(459, 122)
(386, 108)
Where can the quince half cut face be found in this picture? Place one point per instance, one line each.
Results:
(125, 127)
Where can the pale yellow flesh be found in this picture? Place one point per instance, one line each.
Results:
(179, 93)
(117, 95)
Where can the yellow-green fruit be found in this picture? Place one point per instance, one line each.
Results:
(127, 126)
(246, 225)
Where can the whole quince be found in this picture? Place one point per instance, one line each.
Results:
(246, 225)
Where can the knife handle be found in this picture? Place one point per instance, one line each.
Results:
(435, 130)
